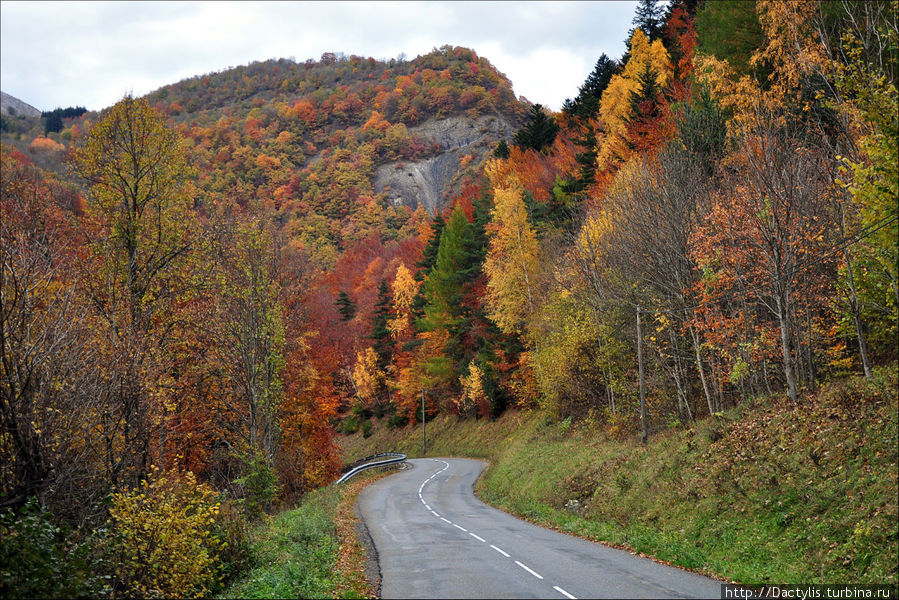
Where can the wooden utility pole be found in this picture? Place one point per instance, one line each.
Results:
(424, 437)
(642, 381)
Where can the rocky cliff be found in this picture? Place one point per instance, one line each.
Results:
(430, 180)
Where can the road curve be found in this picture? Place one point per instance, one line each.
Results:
(436, 540)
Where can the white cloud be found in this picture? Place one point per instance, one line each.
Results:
(91, 53)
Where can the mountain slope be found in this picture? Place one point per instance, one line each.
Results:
(345, 147)
(10, 106)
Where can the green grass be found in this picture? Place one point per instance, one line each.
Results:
(294, 552)
(768, 492)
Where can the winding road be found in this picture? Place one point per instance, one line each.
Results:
(435, 539)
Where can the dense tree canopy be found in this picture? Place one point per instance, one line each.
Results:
(213, 286)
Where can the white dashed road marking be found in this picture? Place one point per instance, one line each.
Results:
(475, 536)
(529, 570)
(563, 592)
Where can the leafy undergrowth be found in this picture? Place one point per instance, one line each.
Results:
(768, 492)
(294, 552)
(311, 551)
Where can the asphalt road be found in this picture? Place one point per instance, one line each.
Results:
(435, 539)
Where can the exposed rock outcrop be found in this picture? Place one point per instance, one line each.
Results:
(11, 106)
(429, 181)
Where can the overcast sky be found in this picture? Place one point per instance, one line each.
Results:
(58, 54)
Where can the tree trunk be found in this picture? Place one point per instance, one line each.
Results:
(853, 302)
(645, 436)
(681, 393)
(783, 318)
(705, 385)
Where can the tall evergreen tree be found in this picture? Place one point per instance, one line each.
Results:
(501, 150)
(427, 262)
(586, 104)
(581, 112)
(443, 289)
(345, 306)
(644, 100)
(380, 334)
(645, 111)
(650, 17)
(539, 132)
(451, 304)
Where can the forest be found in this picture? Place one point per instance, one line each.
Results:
(201, 288)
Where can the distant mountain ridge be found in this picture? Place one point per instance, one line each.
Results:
(343, 147)
(10, 106)
(335, 150)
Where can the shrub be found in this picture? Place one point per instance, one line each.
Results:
(259, 485)
(366, 429)
(46, 145)
(38, 559)
(164, 537)
(397, 421)
(235, 550)
(350, 425)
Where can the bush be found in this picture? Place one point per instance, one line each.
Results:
(350, 425)
(38, 559)
(164, 537)
(366, 429)
(397, 422)
(259, 485)
(235, 550)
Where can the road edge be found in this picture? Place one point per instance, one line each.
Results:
(557, 529)
(372, 562)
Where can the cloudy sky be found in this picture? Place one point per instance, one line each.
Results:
(58, 54)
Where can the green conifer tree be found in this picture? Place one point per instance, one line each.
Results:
(345, 306)
(383, 342)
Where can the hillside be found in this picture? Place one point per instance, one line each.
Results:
(352, 140)
(10, 106)
(700, 251)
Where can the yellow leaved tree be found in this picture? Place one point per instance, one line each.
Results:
(615, 106)
(512, 262)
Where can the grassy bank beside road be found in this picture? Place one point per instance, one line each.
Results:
(767, 492)
(311, 551)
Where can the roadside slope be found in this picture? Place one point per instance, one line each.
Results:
(768, 492)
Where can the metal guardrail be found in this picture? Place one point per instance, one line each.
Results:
(360, 461)
(395, 458)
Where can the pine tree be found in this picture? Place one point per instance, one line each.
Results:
(586, 104)
(650, 17)
(539, 132)
(644, 100)
(427, 262)
(451, 305)
(644, 108)
(380, 332)
(581, 111)
(443, 289)
(345, 306)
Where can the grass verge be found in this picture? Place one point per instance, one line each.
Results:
(312, 551)
(769, 492)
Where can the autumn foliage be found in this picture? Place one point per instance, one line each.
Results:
(215, 283)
